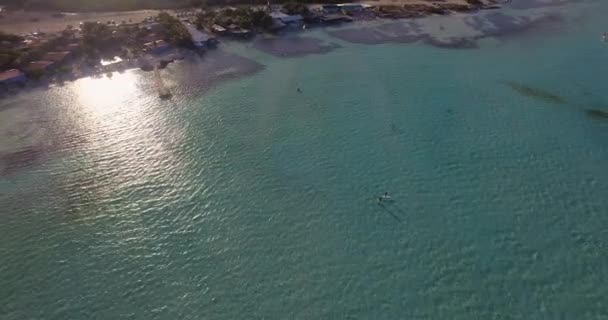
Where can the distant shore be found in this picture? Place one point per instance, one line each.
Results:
(22, 21)
(278, 45)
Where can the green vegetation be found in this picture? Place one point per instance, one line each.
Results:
(15, 56)
(97, 39)
(95, 35)
(63, 69)
(174, 31)
(296, 8)
(103, 41)
(241, 17)
(10, 38)
(8, 56)
(476, 3)
(35, 74)
(259, 19)
(124, 5)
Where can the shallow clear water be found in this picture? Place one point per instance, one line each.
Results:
(251, 200)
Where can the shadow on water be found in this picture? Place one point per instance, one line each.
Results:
(395, 129)
(535, 93)
(390, 212)
(14, 161)
(597, 114)
(397, 208)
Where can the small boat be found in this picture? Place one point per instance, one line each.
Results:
(163, 92)
(166, 95)
(385, 198)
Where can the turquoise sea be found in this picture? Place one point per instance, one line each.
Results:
(244, 198)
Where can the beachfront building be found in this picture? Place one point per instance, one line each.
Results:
(286, 20)
(345, 8)
(219, 29)
(56, 57)
(200, 39)
(12, 76)
(330, 9)
(40, 66)
(157, 47)
(232, 30)
(238, 32)
(350, 8)
(335, 18)
(150, 37)
(152, 26)
(71, 47)
(32, 42)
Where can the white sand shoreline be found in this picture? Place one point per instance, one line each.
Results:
(23, 22)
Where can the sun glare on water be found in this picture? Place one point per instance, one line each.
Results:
(106, 95)
(121, 119)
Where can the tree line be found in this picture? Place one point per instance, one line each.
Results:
(96, 5)
(124, 5)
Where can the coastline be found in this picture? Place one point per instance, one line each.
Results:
(253, 192)
(292, 43)
(23, 21)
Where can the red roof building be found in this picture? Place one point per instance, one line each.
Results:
(12, 76)
(39, 65)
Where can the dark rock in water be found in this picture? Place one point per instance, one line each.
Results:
(533, 4)
(196, 73)
(166, 96)
(535, 93)
(395, 129)
(11, 162)
(356, 35)
(501, 25)
(147, 67)
(387, 33)
(453, 43)
(293, 46)
(399, 32)
(456, 7)
(597, 114)
(164, 63)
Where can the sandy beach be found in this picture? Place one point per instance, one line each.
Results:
(21, 22)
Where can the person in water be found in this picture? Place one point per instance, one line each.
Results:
(384, 197)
